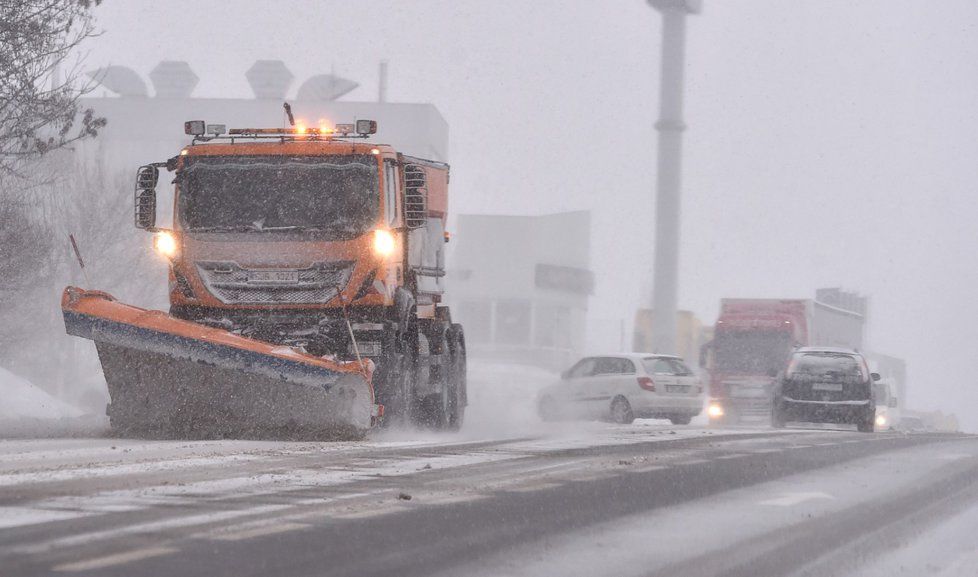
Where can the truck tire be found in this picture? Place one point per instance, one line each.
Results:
(458, 377)
(435, 409)
(397, 373)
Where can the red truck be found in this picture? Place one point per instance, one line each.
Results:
(753, 339)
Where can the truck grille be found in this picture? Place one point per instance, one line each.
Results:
(316, 284)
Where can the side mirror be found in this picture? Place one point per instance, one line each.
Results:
(772, 372)
(874, 376)
(415, 196)
(145, 197)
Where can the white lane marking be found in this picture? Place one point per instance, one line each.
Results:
(23, 516)
(791, 499)
(692, 462)
(111, 560)
(955, 456)
(734, 456)
(49, 476)
(825, 444)
(596, 476)
(647, 469)
(531, 487)
(766, 451)
(149, 527)
(370, 511)
(800, 446)
(271, 529)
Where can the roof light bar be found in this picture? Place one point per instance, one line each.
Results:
(360, 129)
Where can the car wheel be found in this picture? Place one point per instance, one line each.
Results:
(680, 419)
(621, 411)
(867, 424)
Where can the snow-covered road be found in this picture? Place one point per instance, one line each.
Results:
(586, 499)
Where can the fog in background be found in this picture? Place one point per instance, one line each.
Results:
(830, 143)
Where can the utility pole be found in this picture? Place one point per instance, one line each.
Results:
(669, 171)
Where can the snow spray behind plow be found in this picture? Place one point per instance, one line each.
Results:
(169, 377)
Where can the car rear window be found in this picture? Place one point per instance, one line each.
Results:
(827, 365)
(656, 366)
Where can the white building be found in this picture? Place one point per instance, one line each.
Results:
(142, 129)
(520, 285)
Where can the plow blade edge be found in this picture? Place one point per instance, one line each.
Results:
(172, 377)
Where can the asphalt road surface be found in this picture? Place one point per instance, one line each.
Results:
(606, 500)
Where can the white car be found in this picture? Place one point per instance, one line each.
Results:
(622, 387)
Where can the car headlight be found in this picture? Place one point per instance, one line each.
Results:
(715, 410)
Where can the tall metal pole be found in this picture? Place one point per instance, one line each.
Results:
(669, 171)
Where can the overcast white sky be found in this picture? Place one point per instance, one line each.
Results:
(830, 142)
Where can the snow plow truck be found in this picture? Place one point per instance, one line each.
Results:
(306, 271)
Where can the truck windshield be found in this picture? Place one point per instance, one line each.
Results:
(756, 353)
(336, 195)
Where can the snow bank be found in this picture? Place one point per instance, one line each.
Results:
(27, 410)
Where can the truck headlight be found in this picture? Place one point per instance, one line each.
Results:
(165, 243)
(715, 410)
(383, 242)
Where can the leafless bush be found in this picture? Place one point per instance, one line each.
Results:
(39, 86)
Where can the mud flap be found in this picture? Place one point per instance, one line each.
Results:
(172, 377)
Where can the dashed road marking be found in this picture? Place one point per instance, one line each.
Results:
(112, 560)
(647, 469)
(692, 462)
(734, 456)
(22, 516)
(791, 499)
(260, 531)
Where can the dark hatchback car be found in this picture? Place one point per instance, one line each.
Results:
(825, 385)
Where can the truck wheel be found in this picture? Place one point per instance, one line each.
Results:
(436, 409)
(396, 375)
(621, 411)
(458, 377)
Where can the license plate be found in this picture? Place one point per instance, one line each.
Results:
(367, 348)
(273, 276)
(677, 389)
(827, 386)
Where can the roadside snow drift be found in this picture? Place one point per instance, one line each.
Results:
(26, 409)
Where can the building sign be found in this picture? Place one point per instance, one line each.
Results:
(564, 279)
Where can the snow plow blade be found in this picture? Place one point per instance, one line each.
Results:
(168, 377)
